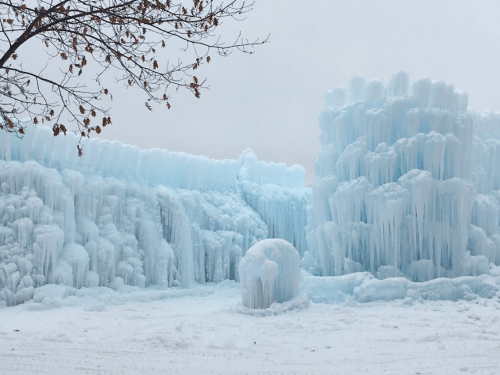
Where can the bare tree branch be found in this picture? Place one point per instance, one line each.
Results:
(126, 37)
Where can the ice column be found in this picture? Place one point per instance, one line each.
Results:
(397, 179)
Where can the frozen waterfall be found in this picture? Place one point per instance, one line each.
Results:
(121, 216)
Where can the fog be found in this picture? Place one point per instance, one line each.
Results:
(270, 100)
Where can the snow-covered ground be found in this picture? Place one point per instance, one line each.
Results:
(407, 185)
(206, 330)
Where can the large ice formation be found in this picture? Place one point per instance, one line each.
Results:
(119, 215)
(269, 272)
(407, 183)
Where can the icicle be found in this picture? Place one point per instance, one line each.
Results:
(396, 188)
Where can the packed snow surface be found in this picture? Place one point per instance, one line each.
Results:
(269, 273)
(128, 261)
(204, 329)
(407, 183)
(119, 215)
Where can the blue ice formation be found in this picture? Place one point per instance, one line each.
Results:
(407, 183)
(269, 273)
(121, 216)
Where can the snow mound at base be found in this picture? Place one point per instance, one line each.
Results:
(297, 304)
(364, 287)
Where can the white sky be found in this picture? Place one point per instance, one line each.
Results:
(270, 101)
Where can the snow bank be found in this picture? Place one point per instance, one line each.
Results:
(296, 304)
(364, 287)
(270, 272)
(361, 287)
(407, 183)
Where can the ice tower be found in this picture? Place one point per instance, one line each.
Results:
(407, 182)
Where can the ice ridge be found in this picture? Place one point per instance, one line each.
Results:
(122, 217)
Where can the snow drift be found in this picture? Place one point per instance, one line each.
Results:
(407, 183)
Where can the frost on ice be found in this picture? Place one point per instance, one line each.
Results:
(269, 272)
(121, 216)
(407, 183)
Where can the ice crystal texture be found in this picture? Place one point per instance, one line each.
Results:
(270, 272)
(121, 216)
(407, 183)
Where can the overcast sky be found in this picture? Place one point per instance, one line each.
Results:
(270, 101)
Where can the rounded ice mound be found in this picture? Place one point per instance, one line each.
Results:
(269, 272)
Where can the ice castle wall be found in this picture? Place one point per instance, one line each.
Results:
(121, 216)
(407, 182)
